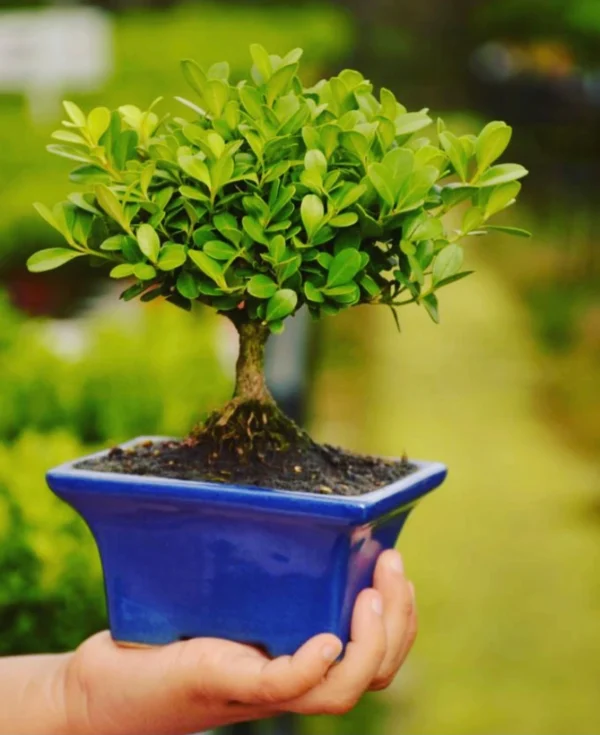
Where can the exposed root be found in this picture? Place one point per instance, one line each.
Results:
(250, 430)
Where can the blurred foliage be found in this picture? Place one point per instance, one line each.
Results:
(576, 20)
(51, 593)
(154, 373)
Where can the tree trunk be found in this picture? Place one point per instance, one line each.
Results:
(250, 383)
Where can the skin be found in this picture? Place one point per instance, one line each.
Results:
(205, 683)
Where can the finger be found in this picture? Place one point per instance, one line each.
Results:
(345, 683)
(413, 626)
(398, 616)
(233, 672)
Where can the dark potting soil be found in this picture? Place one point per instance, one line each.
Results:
(317, 468)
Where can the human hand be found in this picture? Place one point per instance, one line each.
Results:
(204, 683)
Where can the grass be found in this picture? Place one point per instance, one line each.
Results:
(505, 555)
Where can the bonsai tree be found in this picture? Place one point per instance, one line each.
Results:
(269, 196)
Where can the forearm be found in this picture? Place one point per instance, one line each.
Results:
(32, 695)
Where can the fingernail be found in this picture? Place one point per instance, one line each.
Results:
(377, 604)
(396, 563)
(330, 652)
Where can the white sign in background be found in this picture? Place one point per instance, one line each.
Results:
(47, 53)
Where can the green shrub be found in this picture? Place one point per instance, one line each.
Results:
(153, 373)
(51, 591)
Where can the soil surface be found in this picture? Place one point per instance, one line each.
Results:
(317, 468)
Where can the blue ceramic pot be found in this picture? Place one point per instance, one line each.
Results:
(269, 567)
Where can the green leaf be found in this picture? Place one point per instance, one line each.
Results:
(227, 225)
(146, 177)
(407, 247)
(281, 305)
(312, 213)
(171, 256)
(47, 260)
(452, 279)
(131, 250)
(65, 151)
(447, 263)
(315, 160)
(280, 82)
(400, 163)
(114, 243)
(347, 219)
(500, 197)
(66, 136)
(152, 294)
(80, 200)
(149, 242)
(220, 173)
(347, 195)
(472, 219)
(216, 144)
(89, 175)
(195, 168)
(423, 226)
(430, 303)
(312, 293)
(124, 148)
(219, 250)
(411, 122)
(252, 102)
(516, 231)
(216, 96)
(47, 214)
(262, 62)
(355, 142)
(144, 271)
(124, 270)
(502, 174)
(187, 285)
(491, 143)
(194, 76)
(455, 152)
(97, 122)
(112, 206)
(344, 266)
(261, 287)
(75, 113)
(348, 294)
(370, 286)
(254, 230)
(276, 327)
(133, 291)
(286, 268)
(189, 192)
(212, 268)
(382, 180)
(220, 70)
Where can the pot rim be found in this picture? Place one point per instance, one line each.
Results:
(68, 481)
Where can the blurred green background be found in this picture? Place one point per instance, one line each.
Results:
(506, 556)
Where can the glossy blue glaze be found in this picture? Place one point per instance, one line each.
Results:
(270, 567)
